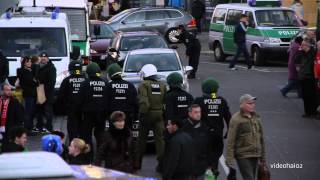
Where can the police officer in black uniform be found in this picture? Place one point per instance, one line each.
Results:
(92, 102)
(68, 95)
(193, 49)
(121, 95)
(177, 100)
(214, 110)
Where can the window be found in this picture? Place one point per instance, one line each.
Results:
(153, 15)
(135, 17)
(251, 19)
(77, 20)
(233, 17)
(142, 42)
(219, 15)
(277, 18)
(174, 14)
(105, 31)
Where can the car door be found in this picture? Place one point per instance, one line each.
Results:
(232, 20)
(156, 20)
(133, 22)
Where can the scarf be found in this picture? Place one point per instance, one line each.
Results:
(4, 103)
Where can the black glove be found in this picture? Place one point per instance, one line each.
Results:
(232, 174)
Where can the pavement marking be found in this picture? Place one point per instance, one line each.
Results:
(207, 52)
(223, 164)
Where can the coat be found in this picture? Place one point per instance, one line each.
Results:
(239, 35)
(81, 159)
(27, 82)
(306, 70)
(12, 147)
(47, 76)
(292, 69)
(4, 68)
(198, 9)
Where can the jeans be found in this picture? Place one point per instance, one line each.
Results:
(45, 110)
(292, 84)
(248, 168)
(29, 105)
(241, 48)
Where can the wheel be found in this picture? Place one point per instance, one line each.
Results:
(218, 52)
(171, 35)
(257, 56)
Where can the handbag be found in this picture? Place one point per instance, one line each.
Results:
(41, 96)
(263, 172)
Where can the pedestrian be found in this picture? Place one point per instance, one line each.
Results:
(239, 38)
(214, 112)
(17, 140)
(79, 152)
(179, 152)
(193, 49)
(65, 150)
(68, 96)
(121, 96)
(92, 102)
(197, 11)
(293, 82)
(317, 73)
(245, 140)
(118, 149)
(199, 132)
(4, 69)
(306, 57)
(11, 112)
(46, 76)
(177, 100)
(28, 84)
(151, 94)
(297, 6)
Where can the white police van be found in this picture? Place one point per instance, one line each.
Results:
(270, 30)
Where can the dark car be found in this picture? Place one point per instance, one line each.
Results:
(163, 20)
(101, 35)
(124, 42)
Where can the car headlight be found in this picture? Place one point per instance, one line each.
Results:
(272, 40)
(93, 51)
(60, 78)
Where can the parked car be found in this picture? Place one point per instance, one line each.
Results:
(101, 35)
(164, 20)
(124, 42)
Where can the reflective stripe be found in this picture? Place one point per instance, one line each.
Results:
(213, 115)
(183, 105)
(156, 93)
(120, 98)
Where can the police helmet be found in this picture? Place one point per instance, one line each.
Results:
(93, 69)
(75, 67)
(148, 70)
(114, 69)
(175, 79)
(52, 143)
(210, 86)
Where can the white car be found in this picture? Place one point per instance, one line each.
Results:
(167, 61)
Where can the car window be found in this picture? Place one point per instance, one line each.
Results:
(135, 17)
(105, 31)
(142, 42)
(219, 15)
(280, 18)
(174, 14)
(251, 19)
(153, 15)
(233, 17)
(163, 62)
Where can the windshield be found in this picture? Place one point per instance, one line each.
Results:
(18, 42)
(277, 18)
(78, 25)
(163, 62)
(119, 16)
(142, 42)
(105, 31)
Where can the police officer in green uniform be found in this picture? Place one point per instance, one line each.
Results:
(151, 94)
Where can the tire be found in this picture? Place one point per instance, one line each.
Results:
(218, 52)
(257, 56)
(170, 36)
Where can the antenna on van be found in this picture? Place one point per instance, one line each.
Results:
(34, 3)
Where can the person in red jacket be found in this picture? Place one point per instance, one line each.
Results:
(317, 64)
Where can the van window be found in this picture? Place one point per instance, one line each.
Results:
(233, 17)
(250, 18)
(136, 17)
(219, 15)
(277, 18)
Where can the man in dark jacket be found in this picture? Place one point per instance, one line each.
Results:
(11, 112)
(4, 69)
(177, 100)
(92, 102)
(306, 57)
(200, 134)
(193, 49)
(198, 10)
(68, 95)
(179, 152)
(46, 76)
(121, 95)
(17, 140)
(239, 38)
(214, 111)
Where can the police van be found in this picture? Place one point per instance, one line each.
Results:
(269, 32)
(33, 30)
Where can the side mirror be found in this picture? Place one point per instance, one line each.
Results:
(96, 30)
(75, 54)
(188, 68)
(174, 47)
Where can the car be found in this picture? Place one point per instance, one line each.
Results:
(101, 36)
(164, 20)
(167, 61)
(124, 42)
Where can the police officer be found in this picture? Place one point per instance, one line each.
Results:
(121, 95)
(92, 102)
(214, 110)
(177, 100)
(151, 94)
(68, 95)
(193, 49)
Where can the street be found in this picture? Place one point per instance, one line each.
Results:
(289, 137)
